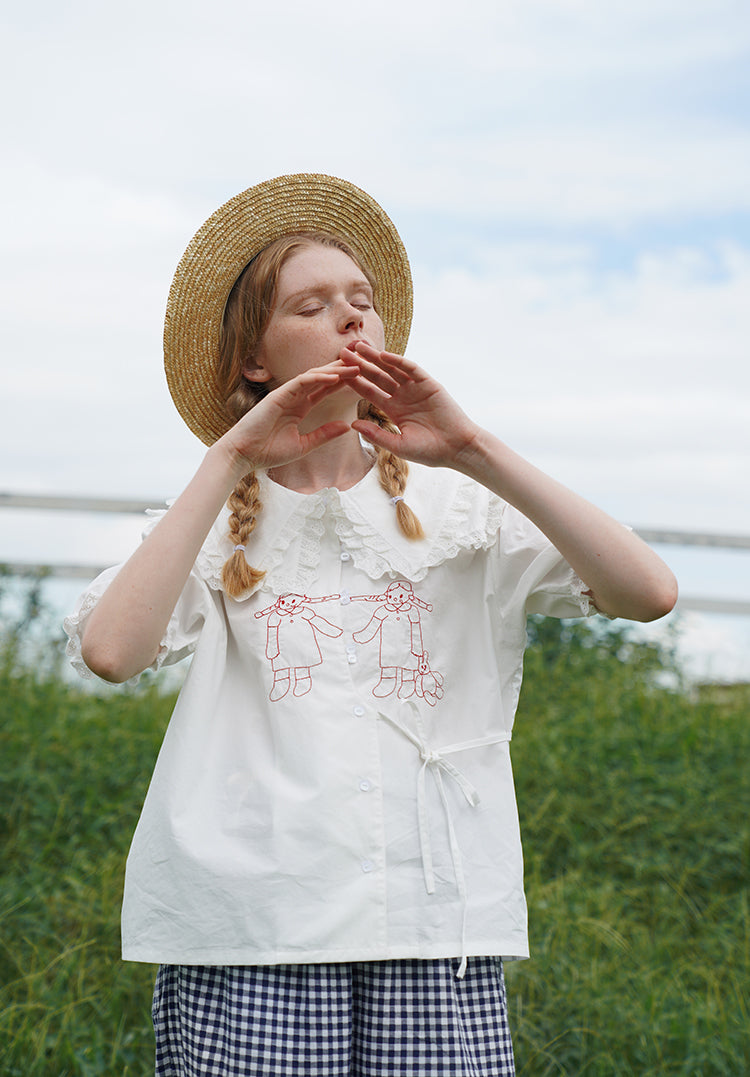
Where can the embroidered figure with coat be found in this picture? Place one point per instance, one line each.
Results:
(397, 622)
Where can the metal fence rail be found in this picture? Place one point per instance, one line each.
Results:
(78, 504)
(137, 506)
(694, 538)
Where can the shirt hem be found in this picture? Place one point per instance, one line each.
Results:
(241, 956)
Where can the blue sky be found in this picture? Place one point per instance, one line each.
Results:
(571, 178)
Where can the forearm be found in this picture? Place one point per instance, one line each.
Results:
(123, 633)
(625, 576)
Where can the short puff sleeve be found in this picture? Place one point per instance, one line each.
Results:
(533, 576)
(181, 634)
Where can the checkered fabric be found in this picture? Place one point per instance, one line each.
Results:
(367, 1019)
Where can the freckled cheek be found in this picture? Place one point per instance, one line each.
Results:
(290, 353)
(377, 332)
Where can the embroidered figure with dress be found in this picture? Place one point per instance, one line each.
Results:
(292, 645)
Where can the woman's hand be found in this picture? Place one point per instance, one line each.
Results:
(123, 633)
(275, 432)
(433, 428)
(624, 576)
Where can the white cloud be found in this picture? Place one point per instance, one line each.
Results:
(561, 110)
(571, 174)
(78, 211)
(563, 124)
(633, 388)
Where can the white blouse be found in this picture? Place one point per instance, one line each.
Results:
(335, 782)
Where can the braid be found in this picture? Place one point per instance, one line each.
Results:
(393, 473)
(237, 575)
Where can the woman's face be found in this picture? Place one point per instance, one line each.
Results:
(323, 303)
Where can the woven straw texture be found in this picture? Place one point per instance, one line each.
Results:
(230, 238)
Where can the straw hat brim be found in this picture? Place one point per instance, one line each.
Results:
(230, 238)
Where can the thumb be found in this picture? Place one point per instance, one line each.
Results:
(327, 432)
(376, 435)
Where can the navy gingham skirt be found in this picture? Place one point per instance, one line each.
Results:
(364, 1019)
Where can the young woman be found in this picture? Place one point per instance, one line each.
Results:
(328, 864)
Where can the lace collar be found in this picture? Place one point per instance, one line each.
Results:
(290, 536)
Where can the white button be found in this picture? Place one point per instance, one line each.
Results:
(351, 659)
(359, 711)
(365, 786)
(345, 599)
(345, 556)
(367, 865)
(351, 648)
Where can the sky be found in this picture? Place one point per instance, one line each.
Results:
(571, 179)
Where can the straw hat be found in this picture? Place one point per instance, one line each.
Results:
(230, 238)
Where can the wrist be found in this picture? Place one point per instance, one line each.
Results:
(230, 464)
(480, 451)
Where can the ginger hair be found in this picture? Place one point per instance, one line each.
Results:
(246, 316)
(393, 472)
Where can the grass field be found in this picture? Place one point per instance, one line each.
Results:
(634, 806)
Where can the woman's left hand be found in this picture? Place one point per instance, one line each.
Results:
(623, 575)
(433, 428)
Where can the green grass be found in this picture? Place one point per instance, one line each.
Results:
(634, 805)
(73, 772)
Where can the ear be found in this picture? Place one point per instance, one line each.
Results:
(256, 373)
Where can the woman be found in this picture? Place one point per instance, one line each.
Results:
(328, 864)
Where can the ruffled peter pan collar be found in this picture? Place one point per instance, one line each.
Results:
(292, 529)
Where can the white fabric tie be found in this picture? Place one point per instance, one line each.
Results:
(434, 760)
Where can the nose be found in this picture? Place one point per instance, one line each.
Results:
(350, 317)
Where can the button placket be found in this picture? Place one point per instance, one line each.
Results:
(364, 785)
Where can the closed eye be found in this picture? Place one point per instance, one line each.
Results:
(361, 301)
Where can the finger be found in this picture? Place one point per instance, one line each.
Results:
(336, 366)
(398, 366)
(320, 380)
(364, 388)
(324, 374)
(323, 434)
(376, 435)
(313, 396)
(381, 362)
(372, 372)
(371, 380)
(303, 384)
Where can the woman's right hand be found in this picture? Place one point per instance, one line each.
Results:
(273, 432)
(123, 633)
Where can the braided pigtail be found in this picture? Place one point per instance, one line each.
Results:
(244, 501)
(393, 473)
